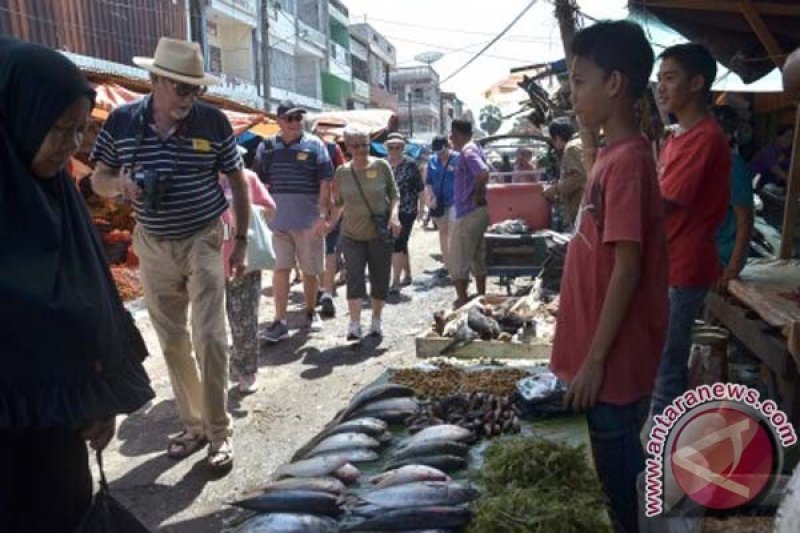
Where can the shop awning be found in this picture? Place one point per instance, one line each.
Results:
(333, 123)
(111, 95)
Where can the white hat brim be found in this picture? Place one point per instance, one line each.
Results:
(148, 63)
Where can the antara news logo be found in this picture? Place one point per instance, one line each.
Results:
(721, 444)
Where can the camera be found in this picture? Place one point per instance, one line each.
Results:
(153, 184)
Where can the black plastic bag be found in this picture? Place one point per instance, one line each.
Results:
(107, 515)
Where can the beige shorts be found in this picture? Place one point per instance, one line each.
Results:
(302, 246)
(467, 245)
(445, 221)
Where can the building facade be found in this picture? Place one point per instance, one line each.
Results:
(337, 78)
(452, 108)
(420, 101)
(381, 62)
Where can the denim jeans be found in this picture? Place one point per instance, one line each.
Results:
(672, 379)
(619, 458)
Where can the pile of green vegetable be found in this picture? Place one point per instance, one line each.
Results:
(536, 485)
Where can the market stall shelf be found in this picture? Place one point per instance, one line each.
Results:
(438, 346)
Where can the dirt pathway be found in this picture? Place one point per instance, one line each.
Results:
(303, 382)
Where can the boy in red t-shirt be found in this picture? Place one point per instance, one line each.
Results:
(695, 184)
(613, 312)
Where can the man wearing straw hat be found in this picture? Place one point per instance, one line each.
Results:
(163, 154)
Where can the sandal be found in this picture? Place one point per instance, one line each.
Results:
(220, 455)
(185, 444)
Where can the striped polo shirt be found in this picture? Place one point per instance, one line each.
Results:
(293, 172)
(201, 146)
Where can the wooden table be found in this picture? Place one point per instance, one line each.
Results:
(766, 341)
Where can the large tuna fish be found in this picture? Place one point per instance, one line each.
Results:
(423, 493)
(344, 441)
(293, 501)
(433, 447)
(392, 410)
(288, 523)
(441, 432)
(319, 484)
(411, 518)
(314, 467)
(374, 393)
(445, 463)
(408, 474)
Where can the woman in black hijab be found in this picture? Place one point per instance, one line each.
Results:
(70, 355)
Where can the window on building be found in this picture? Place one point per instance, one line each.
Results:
(418, 95)
(281, 70)
(215, 59)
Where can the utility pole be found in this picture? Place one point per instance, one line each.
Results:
(265, 71)
(565, 14)
(410, 118)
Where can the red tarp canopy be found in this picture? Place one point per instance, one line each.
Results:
(111, 95)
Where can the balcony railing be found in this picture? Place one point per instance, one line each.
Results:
(309, 34)
(338, 12)
(360, 89)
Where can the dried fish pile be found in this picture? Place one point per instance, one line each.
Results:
(483, 413)
(447, 380)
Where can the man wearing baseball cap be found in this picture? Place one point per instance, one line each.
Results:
(296, 167)
(163, 154)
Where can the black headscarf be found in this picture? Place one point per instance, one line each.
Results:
(69, 352)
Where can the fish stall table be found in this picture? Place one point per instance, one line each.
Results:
(320, 490)
(762, 311)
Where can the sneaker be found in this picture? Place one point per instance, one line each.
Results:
(354, 331)
(312, 321)
(375, 328)
(247, 384)
(327, 309)
(277, 331)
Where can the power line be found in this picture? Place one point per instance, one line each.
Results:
(518, 38)
(462, 50)
(497, 38)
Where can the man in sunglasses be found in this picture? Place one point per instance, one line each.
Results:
(297, 168)
(163, 154)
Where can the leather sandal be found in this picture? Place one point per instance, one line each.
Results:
(220, 455)
(185, 444)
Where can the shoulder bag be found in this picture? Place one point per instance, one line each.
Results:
(381, 220)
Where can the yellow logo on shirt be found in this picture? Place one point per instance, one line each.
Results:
(372, 174)
(201, 145)
(302, 156)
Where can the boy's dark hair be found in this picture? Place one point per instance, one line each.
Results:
(461, 126)
(696, 60)
(618, 45)
(561, 127)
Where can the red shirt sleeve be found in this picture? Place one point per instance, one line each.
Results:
(623, 199)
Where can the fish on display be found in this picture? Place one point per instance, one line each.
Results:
(344, 441)
(442, 432)
(354, 455)
(374, 427)
(408, 474)
(445, 463)
(288, 523)
(347, 474)
(293, 501)
(314, 467)
(412, 518)
(390, 410)
(432, 447)
(422, 493)
(375, 393)
(319, 484)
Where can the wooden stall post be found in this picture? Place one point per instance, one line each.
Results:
(792, 194)
(565, 13)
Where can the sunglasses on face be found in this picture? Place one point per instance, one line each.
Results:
(293, 118)
(185, 89)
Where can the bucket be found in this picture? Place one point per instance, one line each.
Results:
(708, 361)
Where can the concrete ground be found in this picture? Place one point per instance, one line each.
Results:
(302, 383)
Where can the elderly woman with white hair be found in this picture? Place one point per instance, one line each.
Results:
(366, 193)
